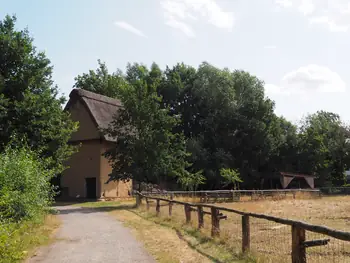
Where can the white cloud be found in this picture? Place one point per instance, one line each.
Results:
(186, 29)
(309, 79)
(126, 26)
(284, 3)
(306, 7)
(332, 14)
(331, 24)
(178, 14)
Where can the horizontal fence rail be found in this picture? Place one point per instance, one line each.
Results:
(217, 196)
(231, 191)
(299, 244)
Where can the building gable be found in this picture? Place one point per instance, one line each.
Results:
(87, 128)
(100, 110)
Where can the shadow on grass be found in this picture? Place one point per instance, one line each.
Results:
(201, 239)
(194, 247)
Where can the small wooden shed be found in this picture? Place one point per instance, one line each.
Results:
(287, 178)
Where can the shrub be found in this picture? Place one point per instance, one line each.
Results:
(25, 189)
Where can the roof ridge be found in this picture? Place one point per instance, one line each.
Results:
(95, 96)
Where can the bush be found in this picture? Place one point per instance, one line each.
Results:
(25, 195)
(25, 189)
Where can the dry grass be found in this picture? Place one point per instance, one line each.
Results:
(271, 242)
(170, 244)
(329, 211)
(172, 240)
(167, 241)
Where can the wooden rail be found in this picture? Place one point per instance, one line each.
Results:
(299, 244)
(236, 191)
(235, 195)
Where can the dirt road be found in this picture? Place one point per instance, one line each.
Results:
(89, 235)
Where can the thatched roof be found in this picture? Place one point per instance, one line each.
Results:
(101, 108)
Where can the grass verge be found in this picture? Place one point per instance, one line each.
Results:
(18, 241)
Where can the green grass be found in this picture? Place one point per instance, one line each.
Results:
(19, 240)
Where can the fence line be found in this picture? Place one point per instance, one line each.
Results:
(233, 191)
(236, 195)
(299, 242)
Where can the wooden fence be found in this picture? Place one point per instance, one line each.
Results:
(299, 242)
(216, 196)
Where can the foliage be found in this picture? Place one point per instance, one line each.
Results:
(191, 181)
(324, 147)
(231, 177)
(100, 81)
(17, 240)
(146, 147)
(25, 189)
(225, 118)
(25, 196)
(30, 107)
(226, 121)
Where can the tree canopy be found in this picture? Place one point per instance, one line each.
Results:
(30, 108)
(227, 122)
(147, 149)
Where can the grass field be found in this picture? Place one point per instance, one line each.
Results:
(271, 242)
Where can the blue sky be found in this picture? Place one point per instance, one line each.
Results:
(300, 48)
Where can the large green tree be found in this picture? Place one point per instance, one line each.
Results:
(225, 117)
(146, 147)
(324, 147)
(229, 123)
(30, 108)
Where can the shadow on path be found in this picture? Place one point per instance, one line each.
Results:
(65, 210)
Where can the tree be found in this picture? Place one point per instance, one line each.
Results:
(147, 149)
(228, 122)
(225, 117)
(101, 81)
(231, 177)
(29, 98)
(324, 148)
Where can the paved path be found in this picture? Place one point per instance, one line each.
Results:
(88, 235)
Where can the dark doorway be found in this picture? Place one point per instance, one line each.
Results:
(90, 187)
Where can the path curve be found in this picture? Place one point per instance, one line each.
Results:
(89, 235)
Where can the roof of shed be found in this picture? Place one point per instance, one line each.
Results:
(101, 108)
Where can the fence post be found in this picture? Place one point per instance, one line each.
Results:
(170, 208)
(138, 200)
(147, 203)
(188, 213)
(171, 205)
(245, 234)
(200, 217)
(158, 207)
(298, 250)
(215, 222)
